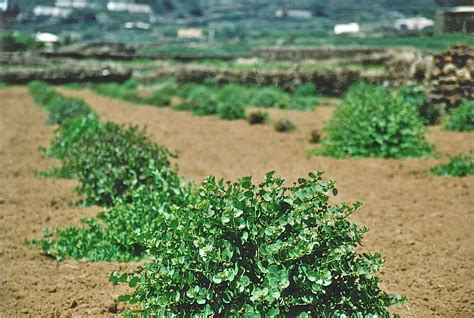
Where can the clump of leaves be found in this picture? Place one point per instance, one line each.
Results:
(63, 108)
(108, 237)
(270, 97)
(314, 136)
(115, 90)
(283, 125)
(42, 93)
(458, 166)
(161, 97)
(257, 117)
(231, 109)
(305, 90)
(206, 107)
(113, 162)
(3, 85)
(374, 122)
(462, 117)
(259, 251)
(302, 103)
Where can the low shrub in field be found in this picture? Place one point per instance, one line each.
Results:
(283, 125)
(242, 250)
(161, 97)
(231, 109)
(305, 90)
(461, 118)
(116, 90)
(232, 92)
(109, 236)
(302, 103)
(130, 84)
(269, 97)
(63, 108)
(206, 107)
(42, 93)
(257, 117)
(374, 122)
(458, 166)
(113, 162)
(3, 85)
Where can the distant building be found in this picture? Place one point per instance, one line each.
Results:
(413, 24)
(76, 4)
(455, 19)
(3, 5)
(294, 14)
(190, 33)
(349, 28)
(128, 7)
(54, 12)
(47, 38)
(137, 25)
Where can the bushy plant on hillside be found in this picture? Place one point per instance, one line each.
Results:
(302, 103)
(108, 236)
(458, 166)
(461, 118)
(161, 97)
(305, 90)
(231, 109)
(374, 122)
(233, 92)
(243, 250)
(113, 162)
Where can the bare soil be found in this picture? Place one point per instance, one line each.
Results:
(421, 224)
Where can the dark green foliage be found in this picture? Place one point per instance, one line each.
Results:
(302, 103)
(113, 162)
(162, 97)
(130, 84)
(458, 166)
(243, 250)
(462, 117)
(206, 107)
(283, 125)
(257, 117)
(231, 109)
(306, 90)
(109, 236)
(374, 122)
(3, 85)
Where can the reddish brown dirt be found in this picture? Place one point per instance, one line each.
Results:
(420, 223)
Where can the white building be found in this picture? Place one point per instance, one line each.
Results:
(54, 12)
(349, 28)
(412, 24)
(128, 7)
(47, 38)
(190, 33)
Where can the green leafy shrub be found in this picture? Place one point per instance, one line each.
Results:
(42, 93)
(458, 166)
(62, 108)
(116, 90)
(258, 117)
(270, 97)
(231, 109)
(283, 125)
(373, 122)
(462, 117)
(232, 92)
(302, 103)
(259, 251)
(113, 162)
(130, 84)
(161, 97)
(3, 85)
(305, 90)
(109, 236)
(206, 107)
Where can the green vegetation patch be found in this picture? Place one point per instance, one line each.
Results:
(458, 166)
(461, 118)
(259, 250)
(374, 122)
